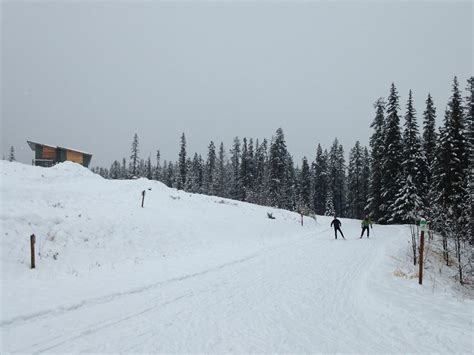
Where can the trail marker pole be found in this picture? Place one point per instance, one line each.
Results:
(423, 228)
(143, 197)
(301, 218)
(32, 245)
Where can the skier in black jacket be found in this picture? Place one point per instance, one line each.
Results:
(337, 226)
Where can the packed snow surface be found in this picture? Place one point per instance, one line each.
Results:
(193, 273)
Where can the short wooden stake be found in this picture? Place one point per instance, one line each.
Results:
(420, 260)
(143, 197)
(32, 244)
(301, 218)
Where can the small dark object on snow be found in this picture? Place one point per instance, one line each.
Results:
(270, 215)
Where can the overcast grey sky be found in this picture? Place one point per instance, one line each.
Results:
(88, 75)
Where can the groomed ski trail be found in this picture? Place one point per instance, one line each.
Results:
(313, 294)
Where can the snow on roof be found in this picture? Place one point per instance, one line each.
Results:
(75, 150)
(33, 144)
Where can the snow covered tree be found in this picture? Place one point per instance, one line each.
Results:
(134, 159)
(429, 142)
(195, 175)
(149, 169)
(245, 172)
(337, 177)
(181, 181)
(290, 186)
(391, 159)
(169, 174)
(209, 168)
(409, 205)
(157, 175)
(470, 144)
(236, 192)
(377, 141)
(261, 172)
(356, 198)
(141, 168)
(219, 178)
(429, 135)
(123, 170)
(320, 181)
(451, 177)
(278, 164)
(11, 155)
(329, 208)
(305, 187)
(250, 179)
(366, 173)
(115, 170)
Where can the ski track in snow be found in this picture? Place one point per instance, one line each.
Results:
(277, 288)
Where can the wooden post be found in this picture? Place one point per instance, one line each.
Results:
(32, 244)
(420, 260)
(143, 197)
(301, 218)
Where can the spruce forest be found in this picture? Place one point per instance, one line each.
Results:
(411, 170)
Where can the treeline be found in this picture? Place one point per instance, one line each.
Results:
(262, 172)
(403, 176)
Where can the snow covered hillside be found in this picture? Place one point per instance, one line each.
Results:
(192, 273)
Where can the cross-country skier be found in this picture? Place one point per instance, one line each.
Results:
(337, 226)
(366, 222)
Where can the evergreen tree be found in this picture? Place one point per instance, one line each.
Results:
(189, 170)
(134, 159)
(305, 186)
(149, 169)
(209, 169)
(235, 178)
(251, 172)
(409, 206)
(124, 171)
(451, 159)
(261, 172)
(366, 173)
(451, 178)
(320, 181)
(11, 155)
(392, 158)
(470, 143)
(290, 185)
(329, 208)
(277, 170)
(245, 173)
(195, 175)
(337, 177)
(181, 181)
(377, 141)
(141, 168)
(169, 171)
(429, 136)
(219, 178)
(356, 198)
(115, 170)
(158, 173)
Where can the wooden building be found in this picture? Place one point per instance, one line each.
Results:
(48, 155)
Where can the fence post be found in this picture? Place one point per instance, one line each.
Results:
(32, 245)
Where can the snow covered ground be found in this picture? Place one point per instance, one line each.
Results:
(192, 273)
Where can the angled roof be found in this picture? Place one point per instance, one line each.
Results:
(34, 144)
